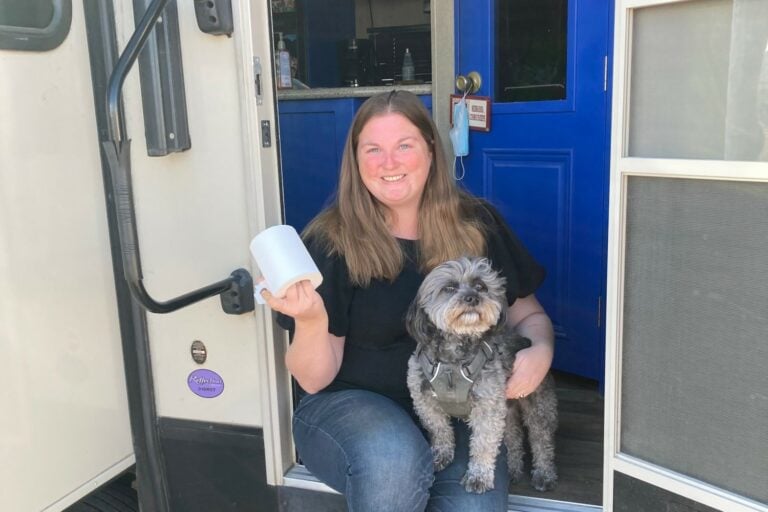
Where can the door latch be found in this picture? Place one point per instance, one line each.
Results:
(266, 135)
(257, 80)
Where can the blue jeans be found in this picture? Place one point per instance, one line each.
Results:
(368, 448)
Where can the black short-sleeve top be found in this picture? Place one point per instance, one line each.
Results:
(372, 319)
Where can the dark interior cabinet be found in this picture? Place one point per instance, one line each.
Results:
(316, 34)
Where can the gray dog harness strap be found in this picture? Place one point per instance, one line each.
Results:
(452, 382)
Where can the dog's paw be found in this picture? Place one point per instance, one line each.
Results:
(516, 469)
(476, 483)
(543, 480)
(516, 474)
(442, 457)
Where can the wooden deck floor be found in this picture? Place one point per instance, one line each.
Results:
(579, 455)
(579, 444)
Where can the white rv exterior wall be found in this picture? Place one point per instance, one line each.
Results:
(64, 425)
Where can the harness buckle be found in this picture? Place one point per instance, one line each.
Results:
(453, 394)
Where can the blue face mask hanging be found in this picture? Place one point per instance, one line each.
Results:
(459, 134)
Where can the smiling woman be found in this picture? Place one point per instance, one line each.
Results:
(394, 161)
(432, 208)
(397, 214)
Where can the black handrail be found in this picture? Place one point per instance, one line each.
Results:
(237, 290)
(124, 64)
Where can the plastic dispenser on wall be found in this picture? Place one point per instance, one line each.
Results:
(283, 64)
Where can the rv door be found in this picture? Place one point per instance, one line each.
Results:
(69, 330)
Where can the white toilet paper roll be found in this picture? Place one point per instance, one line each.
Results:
(283, 260)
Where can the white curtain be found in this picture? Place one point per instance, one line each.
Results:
(746, 122)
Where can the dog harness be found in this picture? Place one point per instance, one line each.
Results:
(452, 382)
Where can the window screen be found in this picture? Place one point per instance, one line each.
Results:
(700, 81)
(632, 495)
(694, 385)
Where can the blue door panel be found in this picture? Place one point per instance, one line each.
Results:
(544, 165)
(538, 211)
(312, 137)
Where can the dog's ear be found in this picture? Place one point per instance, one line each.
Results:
(418, 324)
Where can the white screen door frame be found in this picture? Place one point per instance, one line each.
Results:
(672, 163)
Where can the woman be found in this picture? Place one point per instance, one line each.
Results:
(397, 214)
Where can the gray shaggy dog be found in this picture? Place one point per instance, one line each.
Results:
(464, 356)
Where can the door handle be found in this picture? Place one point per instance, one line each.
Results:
(236, 291)
(469, 84)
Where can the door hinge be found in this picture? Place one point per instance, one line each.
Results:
(599, 310)
(257, 80)
(605, 73)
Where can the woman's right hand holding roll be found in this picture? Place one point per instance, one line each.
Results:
(301, 302)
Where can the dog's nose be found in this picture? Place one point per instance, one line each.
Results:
(472, 299)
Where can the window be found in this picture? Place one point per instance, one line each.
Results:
(700, 81)
(34, 25)
(531, 50)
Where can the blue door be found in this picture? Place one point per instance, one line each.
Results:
(544, 162)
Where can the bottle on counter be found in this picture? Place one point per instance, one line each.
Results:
(351, 63)
(409, 72)
(282, 64)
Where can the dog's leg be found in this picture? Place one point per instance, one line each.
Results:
(433, 418)
(540, 417)
(438, 425)
(486, 421)
(513, 439)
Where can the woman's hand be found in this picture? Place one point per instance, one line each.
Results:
(527, 317)
(301, 301)
(530, 367)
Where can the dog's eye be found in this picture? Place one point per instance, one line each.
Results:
(480, 287)
(449, 289)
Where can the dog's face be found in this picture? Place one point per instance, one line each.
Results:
(465, 297)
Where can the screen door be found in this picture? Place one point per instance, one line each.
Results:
(687, 338)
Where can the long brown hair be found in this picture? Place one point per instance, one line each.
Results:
(355, 225)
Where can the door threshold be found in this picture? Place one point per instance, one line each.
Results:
(299, 477)
(529, 504)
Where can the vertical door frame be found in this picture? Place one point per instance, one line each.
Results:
(443, 72)
(622, 167)
(264, 207)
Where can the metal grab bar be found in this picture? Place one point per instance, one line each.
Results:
(124, 64)
(236, 291)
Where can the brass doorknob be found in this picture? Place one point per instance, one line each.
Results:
(469, 84)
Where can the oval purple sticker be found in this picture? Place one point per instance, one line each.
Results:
(205, 383)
